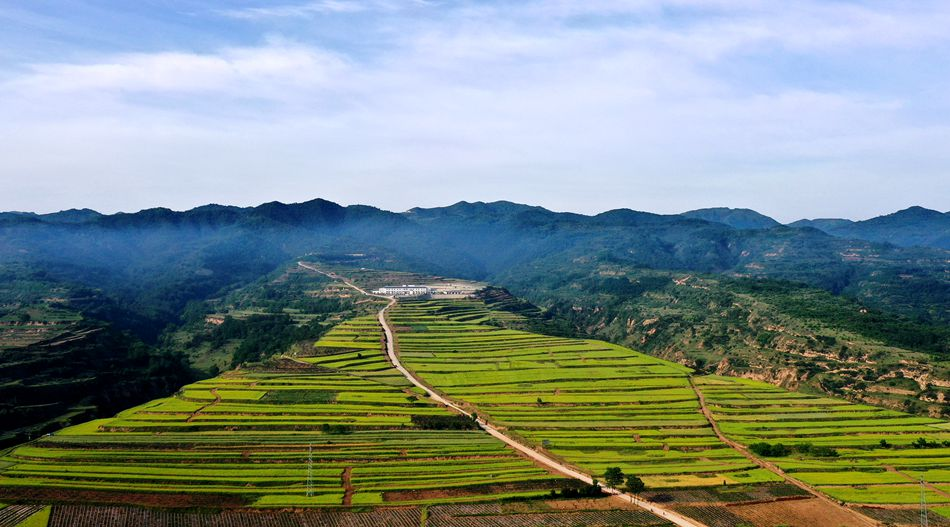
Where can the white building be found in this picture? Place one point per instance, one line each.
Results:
(404, 290)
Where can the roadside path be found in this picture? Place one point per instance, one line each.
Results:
(772, 467)
(539, 457)
(930, 486)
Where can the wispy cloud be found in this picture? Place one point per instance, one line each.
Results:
(655, 104)
(266, 72)
(316, 8)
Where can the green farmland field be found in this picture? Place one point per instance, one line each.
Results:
(596, 405)
(589, 403)
(865, 470)
(246, 436)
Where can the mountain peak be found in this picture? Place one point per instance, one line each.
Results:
(742, 219)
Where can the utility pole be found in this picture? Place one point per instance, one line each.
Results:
(310, 470)
(923, 504)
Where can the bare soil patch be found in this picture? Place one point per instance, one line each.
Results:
(169, 501)
(796, 513)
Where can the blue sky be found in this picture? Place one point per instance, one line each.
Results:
(797, 109)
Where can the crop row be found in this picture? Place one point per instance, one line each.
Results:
(590, 403)
(343, 421)
(856, 453)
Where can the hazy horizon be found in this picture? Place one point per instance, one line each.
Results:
(588, 213)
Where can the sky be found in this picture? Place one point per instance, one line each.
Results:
(812, 108)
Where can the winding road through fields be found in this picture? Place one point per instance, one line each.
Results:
(539, 457)
(860, 519)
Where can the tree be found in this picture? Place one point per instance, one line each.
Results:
(635, 485)
(613, 476)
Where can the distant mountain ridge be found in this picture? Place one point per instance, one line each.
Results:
(914, 226)
(175, 256)
(735, 218)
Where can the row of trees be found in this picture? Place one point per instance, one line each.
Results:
(444, 422)
(615, 477)
(781, 450)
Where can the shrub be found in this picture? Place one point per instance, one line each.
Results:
(614, 476)
(444, 422)
(635, 485)
(769, 450)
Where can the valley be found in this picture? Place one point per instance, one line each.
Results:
(415, 263)
(384, 415)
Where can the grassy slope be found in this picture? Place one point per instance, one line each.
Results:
(862, 469)
(792, 336)
(245, 436)
(589, 403)
(598, 405)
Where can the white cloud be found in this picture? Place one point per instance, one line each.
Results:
(253, 71)
(485, 102)
(318, 8)
(296, 10)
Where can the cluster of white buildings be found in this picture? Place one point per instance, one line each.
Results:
(404, 290)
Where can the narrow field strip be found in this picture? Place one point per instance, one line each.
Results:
(865, 454)
(248, 436)
(589, 403)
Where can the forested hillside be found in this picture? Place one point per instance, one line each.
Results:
(786, 333)
(793, 305)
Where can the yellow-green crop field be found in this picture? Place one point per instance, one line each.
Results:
(244, 438)
(589, 403)
(865, 470)
(596, 405)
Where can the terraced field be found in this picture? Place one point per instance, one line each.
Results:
(874, 456)
(596, 405)
(244, 439)
(338, 415)
(589, 403)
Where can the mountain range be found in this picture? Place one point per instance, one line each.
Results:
(156, 260)
(914, 226)
(728, 290)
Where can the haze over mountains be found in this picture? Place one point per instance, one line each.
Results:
(155, 261)
(729, 290)
(914, 226)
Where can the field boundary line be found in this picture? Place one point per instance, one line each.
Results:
(911, 479)
(662, 512)
(217, 399)
(768, 465)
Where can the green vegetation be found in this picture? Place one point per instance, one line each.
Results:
(612, 411)
(238, 439)
(37, 519)
(614, 476)
(305, 391)
(602, 405)
(797, 336)
(634, 485)
(851, 452)
(65, 366)
(261, 336)
(86, 372)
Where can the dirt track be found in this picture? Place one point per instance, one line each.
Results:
(836, 509)
(539, 457)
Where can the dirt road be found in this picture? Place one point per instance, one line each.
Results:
(539, 457)
(858, 518)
